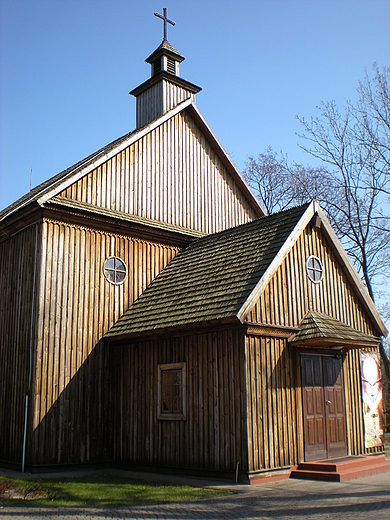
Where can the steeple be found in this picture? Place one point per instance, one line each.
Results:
(165, 58)
(165, 89)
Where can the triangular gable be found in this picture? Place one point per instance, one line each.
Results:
(313, 209)
(54, 186)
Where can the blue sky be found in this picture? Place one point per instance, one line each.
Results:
(67, 66)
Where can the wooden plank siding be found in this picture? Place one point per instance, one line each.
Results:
(156, 101)
(172, 175)
(271, 404)
(77, 306)
(19, 264)
(274, 400)
(290, 294)
(213, 435)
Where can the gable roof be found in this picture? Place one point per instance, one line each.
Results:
(52, 187)
(221, 276)
(317, 328)
(212, 278)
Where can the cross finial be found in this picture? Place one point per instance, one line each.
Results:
(166, 20)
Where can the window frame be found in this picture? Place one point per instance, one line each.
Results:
(311, 268)
(164, 416)
(114, 270)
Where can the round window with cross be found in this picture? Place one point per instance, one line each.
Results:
(314, 269)
(115, 270)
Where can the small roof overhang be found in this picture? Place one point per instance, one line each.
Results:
(322, 331)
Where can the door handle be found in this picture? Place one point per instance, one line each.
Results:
(327, 401)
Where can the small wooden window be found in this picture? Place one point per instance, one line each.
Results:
(115, 270)
(171, 381)
(314, 269)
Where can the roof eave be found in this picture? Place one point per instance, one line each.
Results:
(335, 343)
(182, 329)
(17, 221)
(177, 80)
(90, 215)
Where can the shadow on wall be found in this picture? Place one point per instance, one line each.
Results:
(75, 430)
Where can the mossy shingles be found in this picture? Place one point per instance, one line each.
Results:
(211, 278)
(317, 325)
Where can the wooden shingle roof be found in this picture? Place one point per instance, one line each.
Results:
(212, 278)
(319, 329)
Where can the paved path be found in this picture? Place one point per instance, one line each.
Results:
(359, 499)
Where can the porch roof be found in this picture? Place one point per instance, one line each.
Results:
(318, 330)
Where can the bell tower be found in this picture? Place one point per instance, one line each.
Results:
(165, 89)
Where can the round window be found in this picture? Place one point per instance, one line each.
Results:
(314, 269)
(115, 270)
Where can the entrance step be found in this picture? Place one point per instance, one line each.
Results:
(268, 476)
(342, 469)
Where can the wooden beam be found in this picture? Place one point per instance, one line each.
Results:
(273, 331)
(336, 344)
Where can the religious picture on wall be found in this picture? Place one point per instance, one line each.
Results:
(372, 399)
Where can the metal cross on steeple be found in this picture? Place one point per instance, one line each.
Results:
(166, 20)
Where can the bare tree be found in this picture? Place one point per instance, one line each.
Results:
(373, 113)
(268, 178)
(354, 146)
(279, 185)
(353, 182)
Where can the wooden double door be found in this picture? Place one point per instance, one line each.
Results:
(323, 407)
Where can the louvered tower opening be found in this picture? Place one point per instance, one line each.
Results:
(171, 68)
(156, 66)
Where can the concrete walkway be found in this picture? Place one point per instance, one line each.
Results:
(359, 499)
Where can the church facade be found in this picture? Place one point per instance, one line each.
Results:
(153, 315)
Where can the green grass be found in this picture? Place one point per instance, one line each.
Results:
(95, 491)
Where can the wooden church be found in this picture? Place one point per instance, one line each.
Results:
(152, 315)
